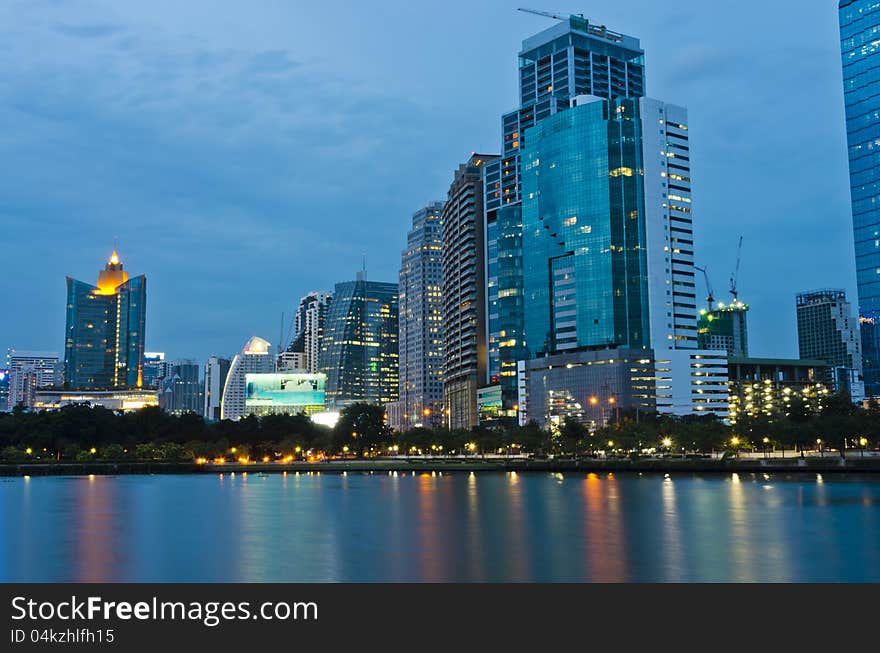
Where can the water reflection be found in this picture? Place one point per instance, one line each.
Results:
(450, 527)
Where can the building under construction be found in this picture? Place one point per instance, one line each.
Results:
(724, 327)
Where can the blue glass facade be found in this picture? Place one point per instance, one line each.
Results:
(104, 335)
(860, 49)
(569, 59)
(359, 351)
(583, 242)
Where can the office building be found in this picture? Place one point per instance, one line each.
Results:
(180, 390)
(4, 390)
(776, 387)
(216, 370)
(359, 348)
(309, 331)
(285, 393)
(154, 368)
(104, 335)
(421, 323)
(254, 358)
(293, 361)
(464, 295)
(828, 331)
(597, 386)
(28, 372)
(860, 50)
(725, 327)
(569, 59)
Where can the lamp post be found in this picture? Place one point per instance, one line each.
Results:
(766, 441)
(612, 401)
(594, 401)
(863, 442)
(821, 448)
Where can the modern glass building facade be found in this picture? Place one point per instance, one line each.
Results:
(359, 352)
(104, 335)
(571, 58)
(309, 324)
(860, 49)
(585, 277)
(254, 358)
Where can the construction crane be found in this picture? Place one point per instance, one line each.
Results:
(734, 278)
(546, 14)
(710, 297)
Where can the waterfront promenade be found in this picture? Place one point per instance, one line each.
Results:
(828, 462)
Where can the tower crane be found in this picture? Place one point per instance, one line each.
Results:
(546, 13)
(734, 278)
(710, 297)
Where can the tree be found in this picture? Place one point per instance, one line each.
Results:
(571, 433)
(361, 426)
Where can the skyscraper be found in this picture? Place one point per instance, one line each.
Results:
(860, 50)
(309, 328)
(725, 327)
(421, 320)
(828, 331)
(216, 370)
(104, 336)
(464, 295)
(569, 59)
(180, 390)
(154, 368)
(254, 358)
(359, 350)
(28, 371)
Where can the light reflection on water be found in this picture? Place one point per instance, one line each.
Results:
(425, 527)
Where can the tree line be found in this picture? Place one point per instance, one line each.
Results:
(82, 433)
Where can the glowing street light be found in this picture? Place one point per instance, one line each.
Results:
(667, 442)
(28, 451)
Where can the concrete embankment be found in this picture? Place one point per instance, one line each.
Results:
(828, 465)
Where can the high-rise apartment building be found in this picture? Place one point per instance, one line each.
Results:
(421, 322)
(29, 371)
(464, 294)
(860, 49)
(104, 335)
(359, 352)
(4, 389)
(309, 329)
(181, 390)
(254, 358)
(828, 331)
(216, 370)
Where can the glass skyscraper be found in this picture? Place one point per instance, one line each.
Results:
(359, 351)
(860, 49)
(569, 59)
(104, 335)
(584, 254)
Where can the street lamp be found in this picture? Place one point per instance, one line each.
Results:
(819, 444)
(766, 441)
(863, 442)
(613, 403)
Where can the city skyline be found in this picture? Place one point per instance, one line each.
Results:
(295, 256)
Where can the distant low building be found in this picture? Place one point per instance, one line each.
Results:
(116, 400)
(777, 387)
(28, 372)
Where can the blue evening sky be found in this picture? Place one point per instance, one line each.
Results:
(245, 153)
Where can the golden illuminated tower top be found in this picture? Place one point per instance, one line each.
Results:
(112, 276)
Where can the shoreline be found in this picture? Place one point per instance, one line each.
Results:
(827, 465)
